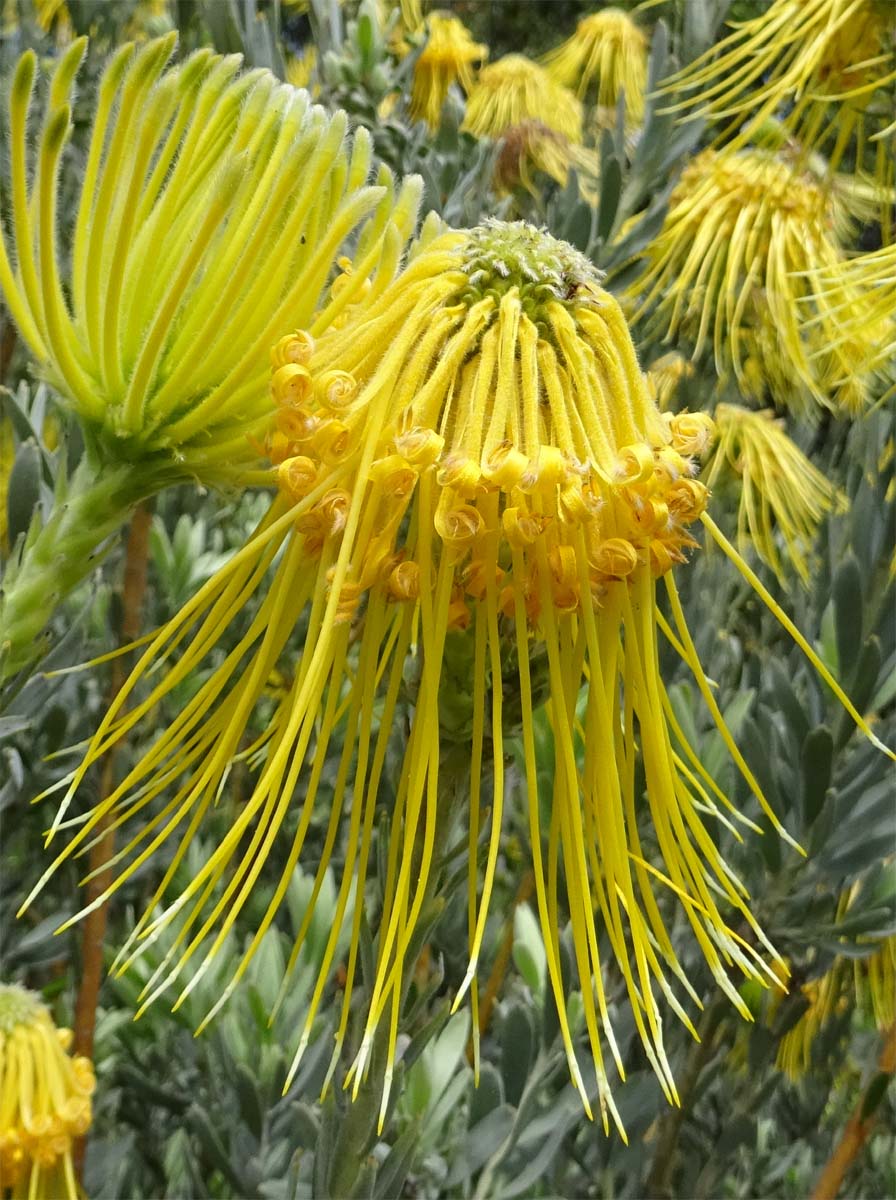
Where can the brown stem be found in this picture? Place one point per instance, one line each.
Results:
(657, 1185)
(94, 927)
(502, 961)
(859, 1125)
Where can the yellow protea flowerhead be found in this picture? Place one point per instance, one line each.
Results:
(212, 205)
(731, 266)
(447, 57)
(607, 52)
(780, 489)
(532, 147)
(515, 89)
(828, 65)
(44, 1100)
(472, 466)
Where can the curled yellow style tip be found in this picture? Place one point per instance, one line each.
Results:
(44, 1100)
(515, 89)
(732, 269)
(473, 485)
(824, 63)
(783, 496)
(154, 332)
(448, 57)
(606, 56)
(531, 147)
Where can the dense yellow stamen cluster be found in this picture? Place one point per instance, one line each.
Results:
(156, 333)
(447, 57)
(44, 1100)
(610, 51)
(475, 450)
(732, 265)
(515, 89)
(532, 147)
(780, 489)
(828, 65)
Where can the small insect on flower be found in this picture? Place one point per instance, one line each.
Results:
(606, 54)
(823, 63)
(447, 57)
(781, 491)
(732, 265)
(472, 466)
(515, 89)
(44, 1100)
(152, 330)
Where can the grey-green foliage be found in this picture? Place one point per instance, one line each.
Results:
(187, 1117)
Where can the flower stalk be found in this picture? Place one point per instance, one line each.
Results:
(62, 553)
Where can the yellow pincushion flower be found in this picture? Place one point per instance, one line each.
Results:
(780, 489)
(515, 89)
(828, 65)
(532, 147)
(447, 57)
(44, 1100)
(607, 51)
(154, 332)
(731, 266)
(474, 455)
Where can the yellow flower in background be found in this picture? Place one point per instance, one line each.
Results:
(828, 65)
(472, 465)
(515, 89)
(300, 68)
(531, 147)
(665, 375)
(780, 489)
(447, 57)
(607, 52)
(873, 982)
(153, 330)
(44, 1100)
(731, 267)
